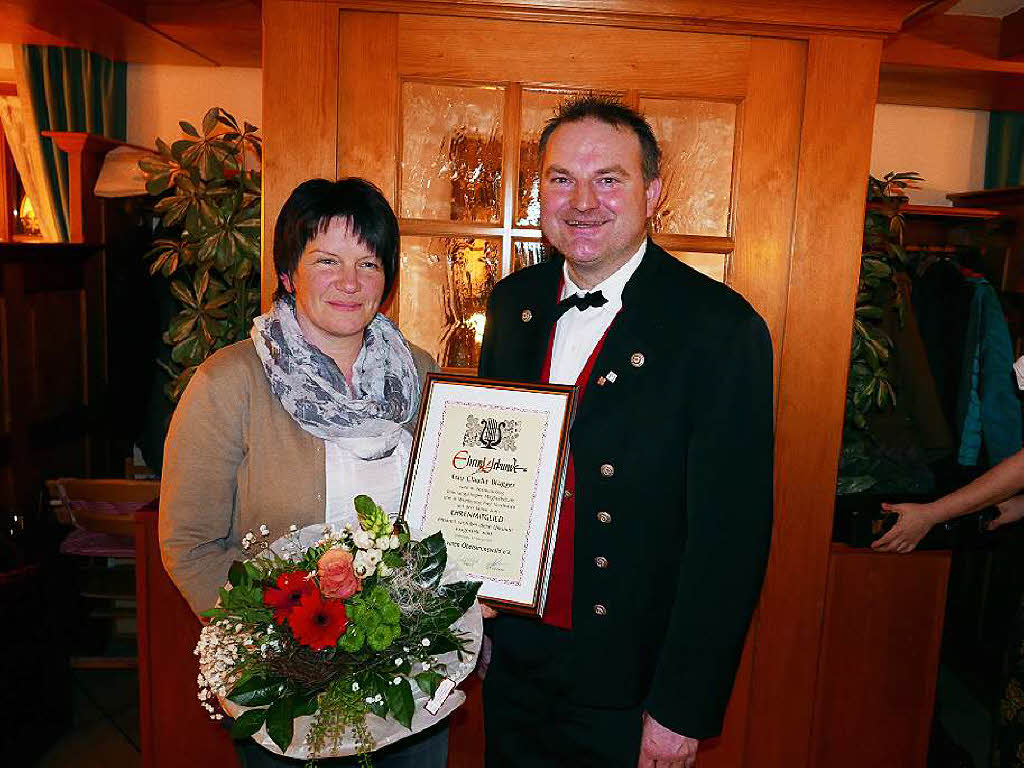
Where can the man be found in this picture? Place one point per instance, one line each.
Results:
(664, 529)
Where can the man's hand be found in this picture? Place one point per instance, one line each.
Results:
(662, 748)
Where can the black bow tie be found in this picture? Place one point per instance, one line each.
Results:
(586, 301)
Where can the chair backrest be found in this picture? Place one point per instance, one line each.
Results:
(104, 506)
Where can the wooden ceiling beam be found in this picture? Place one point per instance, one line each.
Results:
(92, 25)
(788, 17)
(926, 12)
(1011, 37)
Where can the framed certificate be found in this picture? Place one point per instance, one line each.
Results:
(487, 469)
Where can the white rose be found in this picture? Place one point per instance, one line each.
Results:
(373, 556)
(363, 539)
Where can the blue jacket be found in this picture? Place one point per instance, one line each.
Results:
(987, 407)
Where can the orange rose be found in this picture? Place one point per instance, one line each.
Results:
(337, 577)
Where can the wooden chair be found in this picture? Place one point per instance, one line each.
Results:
(102, 513)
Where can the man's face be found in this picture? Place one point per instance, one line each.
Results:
(593, 203)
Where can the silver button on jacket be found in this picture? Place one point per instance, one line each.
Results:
(607, 470)
(604, 517)
(600, 610)
(601, 562)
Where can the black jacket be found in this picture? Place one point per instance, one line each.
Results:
(685, 423)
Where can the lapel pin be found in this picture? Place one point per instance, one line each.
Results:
(611, 376)
(636, 360)
(600, 381)
(527, 315)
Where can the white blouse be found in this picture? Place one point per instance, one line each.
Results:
(349, 474)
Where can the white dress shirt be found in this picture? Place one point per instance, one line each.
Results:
(578, 332)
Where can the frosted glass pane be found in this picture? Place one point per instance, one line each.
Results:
(451, 152)
(538, 108)
(696, 140)
(711, 264)
(443, 295)
(526, 253)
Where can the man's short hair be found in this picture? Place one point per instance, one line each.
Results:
(611, 111)
(311, 208)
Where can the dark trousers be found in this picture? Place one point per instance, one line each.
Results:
(533, 722)
(427, 749)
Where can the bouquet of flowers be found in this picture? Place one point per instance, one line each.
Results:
(326, 644)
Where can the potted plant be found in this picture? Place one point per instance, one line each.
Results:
(209, 244)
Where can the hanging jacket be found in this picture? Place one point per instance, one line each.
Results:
(988, 411)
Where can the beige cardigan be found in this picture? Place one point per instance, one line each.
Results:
(235, 460)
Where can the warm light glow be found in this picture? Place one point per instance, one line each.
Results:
(477, 321)
(27, 217)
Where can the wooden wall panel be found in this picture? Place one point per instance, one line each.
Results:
(769, 153)
(835, 154)
(300, 108)
(769, 143)
(648, 60)
(368, 99)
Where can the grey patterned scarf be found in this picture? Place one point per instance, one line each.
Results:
(383, 395)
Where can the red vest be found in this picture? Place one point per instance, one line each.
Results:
(558, 608)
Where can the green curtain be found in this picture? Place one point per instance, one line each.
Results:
(1004, 159)
(73, 90)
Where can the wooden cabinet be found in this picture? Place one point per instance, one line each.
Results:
(1010, 202)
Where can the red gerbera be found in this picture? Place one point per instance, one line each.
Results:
(291, 588)
(317, 622)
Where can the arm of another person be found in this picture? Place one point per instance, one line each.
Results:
(198, 486)
(997, 485)
(728, 499)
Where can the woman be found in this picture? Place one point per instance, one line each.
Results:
(289, 426)
(1002, 486)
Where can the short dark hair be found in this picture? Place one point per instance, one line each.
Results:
(314, 204)
(611, 111)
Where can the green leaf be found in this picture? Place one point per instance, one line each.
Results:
(256, 691)
(280, 722)
(400, 702)
(428, 681)
(431, 558)
(158, 184)
(307, 706)
(248, 723)
(188, 128)
(461, 593)
(237, 574)
(191, 351)
(210, 120)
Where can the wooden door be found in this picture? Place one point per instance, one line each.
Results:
(445, 118)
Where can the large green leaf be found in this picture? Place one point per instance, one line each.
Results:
(400, 701)
(248, 723)
(256, 691)
(431, 558)
(281, 722)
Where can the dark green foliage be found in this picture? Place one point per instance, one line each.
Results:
(210, 245)
(869, 385)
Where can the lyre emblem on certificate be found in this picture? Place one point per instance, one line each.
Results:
(490, 434)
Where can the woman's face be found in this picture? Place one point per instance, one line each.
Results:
(337, 285)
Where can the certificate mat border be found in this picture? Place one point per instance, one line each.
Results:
(570, 393)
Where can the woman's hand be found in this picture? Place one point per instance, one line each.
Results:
(915, 520)
(1010, 511)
